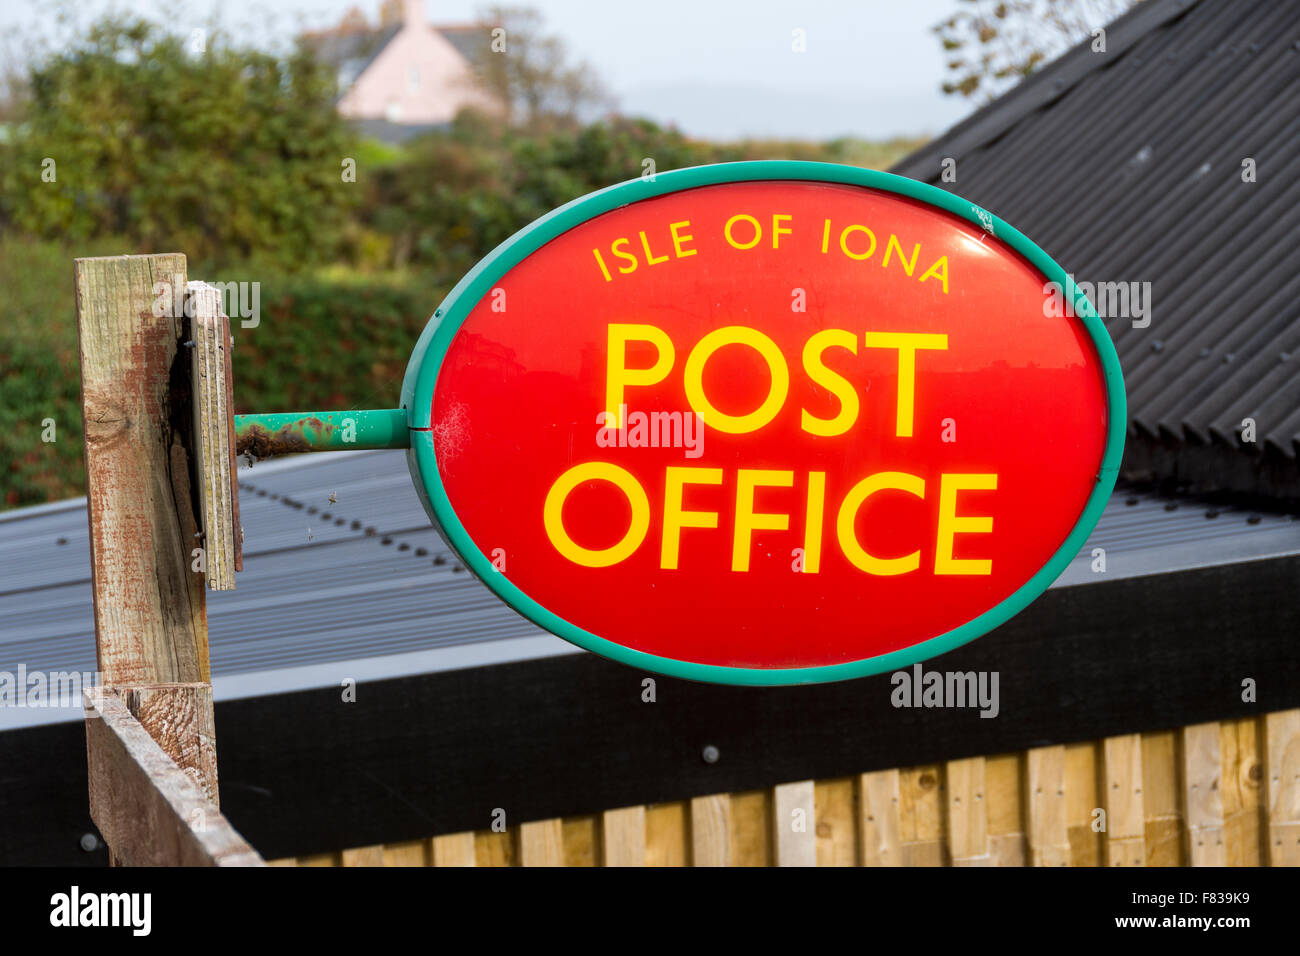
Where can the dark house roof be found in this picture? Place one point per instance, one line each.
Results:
(468, 705)
(1127, 166)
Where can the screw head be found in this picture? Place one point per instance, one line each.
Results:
(89, 842)
(711, 754)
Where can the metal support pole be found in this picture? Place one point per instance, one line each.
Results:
(290, 433)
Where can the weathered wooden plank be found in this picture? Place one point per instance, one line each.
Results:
(1125, 843)
(1049, 839)
(1082, 765)
(1202, 796)
(1243, 796)
(364, 856)
(623, 836)
(1004, 793)
(454, 849)
(1282, 769)
(214, 437)
(150, 812)
(666, 834)
(541, 843)
(495, 848)
(711, 830)
(968, 822)
(751, 828)
(921, 815)
(581, 840)
(794, 823)
(835, 803)
(179, 718)
(880, 839)
(408, 853)
(1161, 799)
(150, 626)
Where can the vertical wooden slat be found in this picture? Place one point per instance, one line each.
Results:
(541, 843)
(623, 836)
(879, 833)
(364, 856)
(1004, 791)
(1243, 800)
(751, 828)
(319, 859)
(665, 834)
(1049, 840)
(1082, 765)
(1282, 770)
(408, 853)
(1202, 796)
(581, 839)
(495, 848)
(711, 830)
(454, 849)
(968, 822)
(835, 803)
(214, 433)
(794, 818)
(1125, 843)
(1161, 799)
(921, 815)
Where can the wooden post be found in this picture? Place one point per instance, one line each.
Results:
(150, 623)
(144, 509)
(214, 436)
(149, 811)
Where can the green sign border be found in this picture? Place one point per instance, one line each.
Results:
(426, 360)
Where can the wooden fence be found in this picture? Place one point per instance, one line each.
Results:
(1211, 794)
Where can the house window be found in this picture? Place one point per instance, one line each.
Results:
(413, 79)
(393, 112)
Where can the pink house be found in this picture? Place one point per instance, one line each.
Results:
(404, 76)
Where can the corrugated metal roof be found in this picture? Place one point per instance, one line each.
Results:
(1127, 166)
(365, 580)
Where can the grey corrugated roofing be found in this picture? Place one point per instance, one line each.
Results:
(1127, 166)
(363, 587)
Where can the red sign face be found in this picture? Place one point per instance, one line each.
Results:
(767, 431)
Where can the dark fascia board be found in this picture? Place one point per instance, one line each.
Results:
(437, 753)
(1267, 478)
(1040, 88)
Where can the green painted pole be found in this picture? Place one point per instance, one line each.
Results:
(289, 433)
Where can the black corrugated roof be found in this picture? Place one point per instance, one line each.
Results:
(361, 586)
(1127, 166)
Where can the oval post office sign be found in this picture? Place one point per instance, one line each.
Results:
(766, 423)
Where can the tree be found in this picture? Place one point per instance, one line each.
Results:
(993, 45)
(529, 71)
(179, 141)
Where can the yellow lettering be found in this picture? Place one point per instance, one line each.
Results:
(776, 393)
(618, 377)
(675, 518)
(907, 343)
(747, 521)
(849, 544)
(839, 386)
(952, 524)
(553, 514)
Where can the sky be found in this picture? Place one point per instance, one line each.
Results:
(718, 69)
